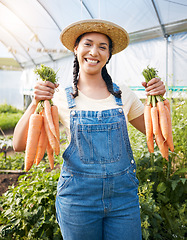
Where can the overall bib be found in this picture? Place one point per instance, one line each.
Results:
(97, 189)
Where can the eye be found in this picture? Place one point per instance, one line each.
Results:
(104, 48)
(87, 44)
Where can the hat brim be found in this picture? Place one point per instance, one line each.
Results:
(118, 35)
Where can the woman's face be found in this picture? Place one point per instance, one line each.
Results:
(92, 52)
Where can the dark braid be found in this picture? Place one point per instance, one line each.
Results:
(75, 76)
(108, 80)
(106, 77)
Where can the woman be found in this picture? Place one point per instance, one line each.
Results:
(97, 189)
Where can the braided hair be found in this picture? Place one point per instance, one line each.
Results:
(106, 77)
(108, 80)
(75, 76)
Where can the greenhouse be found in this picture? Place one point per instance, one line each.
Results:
(140, 159)
(29, 36)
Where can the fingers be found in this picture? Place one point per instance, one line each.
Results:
(44, 90)
(155, 87)
(144, 84)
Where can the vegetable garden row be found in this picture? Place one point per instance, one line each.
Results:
(27, 211)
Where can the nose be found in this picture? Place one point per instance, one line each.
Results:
(93, 51)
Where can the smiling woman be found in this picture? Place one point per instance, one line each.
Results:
(97, 189)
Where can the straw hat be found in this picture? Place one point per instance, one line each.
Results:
(118, 35)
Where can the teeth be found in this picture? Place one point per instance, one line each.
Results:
(91, 61)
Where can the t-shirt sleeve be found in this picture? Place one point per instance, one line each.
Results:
(132, 105)
(136, 109)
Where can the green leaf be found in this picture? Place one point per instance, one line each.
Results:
(6, 213)
(174, 184)
(183, 180)
(46, 73)
(163, 198)
(181, 171)
(161, 187)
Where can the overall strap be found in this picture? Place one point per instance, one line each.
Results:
(118, 100)
(70, 99)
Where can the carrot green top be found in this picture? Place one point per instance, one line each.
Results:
(46, 73)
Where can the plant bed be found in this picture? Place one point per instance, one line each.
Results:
(10, 177)
(6, 180)
(32, 204)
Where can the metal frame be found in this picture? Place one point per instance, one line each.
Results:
(25, 25)
(49, 15)
(5, 29)
(161, 31)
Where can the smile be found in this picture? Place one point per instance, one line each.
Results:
(91, 61)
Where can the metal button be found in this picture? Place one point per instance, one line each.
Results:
(132, 161)
(73, 113)
(120, 110)
(134, 170)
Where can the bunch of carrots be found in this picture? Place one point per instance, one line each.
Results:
(43, 132)
(157, 118)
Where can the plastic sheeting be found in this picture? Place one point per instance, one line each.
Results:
(30, 29)
(126, 67)
(10, 85)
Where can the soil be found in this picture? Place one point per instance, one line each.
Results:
(7, 180)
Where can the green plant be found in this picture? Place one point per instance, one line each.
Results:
(9, 116)
(167, 194)
(9, 120)
(29, 209)
(163, 184)
(15, 162)
(150, 217)
(5, 108)
(179, 122)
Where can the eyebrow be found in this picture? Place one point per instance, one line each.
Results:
(92, 41)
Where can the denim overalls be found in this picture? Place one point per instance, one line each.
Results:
(97, 189)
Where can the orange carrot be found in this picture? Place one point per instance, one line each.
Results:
(50, 155)
(35, 124)
(162, 119)
(167, 104)
(149, 128)
(170, 136)
(166, 151)
(47, 110)
(50, 135)
(42, 144)
(154, 117)
(161, 143)
(54, 112)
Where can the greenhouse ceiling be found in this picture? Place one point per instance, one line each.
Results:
(30, 29)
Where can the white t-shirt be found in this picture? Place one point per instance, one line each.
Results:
(132, 106)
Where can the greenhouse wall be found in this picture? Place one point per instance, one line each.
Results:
(10, 82)
(126, 67)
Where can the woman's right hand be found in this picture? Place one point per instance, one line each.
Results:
(44, 90)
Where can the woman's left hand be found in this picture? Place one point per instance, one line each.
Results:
(154, 87)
